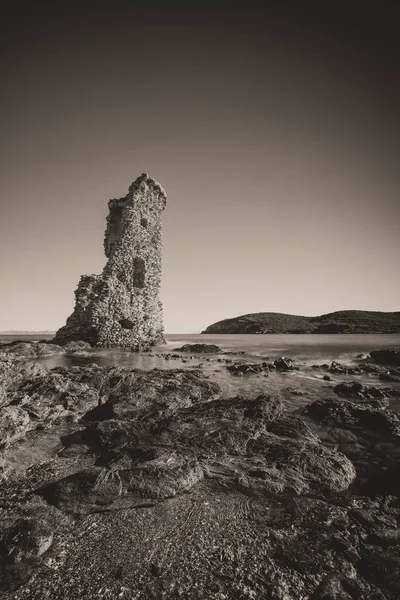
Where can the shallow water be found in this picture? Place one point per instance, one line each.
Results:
(306, 349)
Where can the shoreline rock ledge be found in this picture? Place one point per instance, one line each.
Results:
(121, 307)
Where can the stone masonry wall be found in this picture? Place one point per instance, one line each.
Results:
(121, 307)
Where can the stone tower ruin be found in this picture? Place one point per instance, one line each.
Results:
(121, 307)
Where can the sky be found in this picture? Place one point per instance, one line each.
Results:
(274, 131)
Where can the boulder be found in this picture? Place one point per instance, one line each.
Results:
(249, 368)
(27, 538)
(284, 364)
(356, 390)
(386, 356)
(348, 414)
(343, 369)
(199, 349)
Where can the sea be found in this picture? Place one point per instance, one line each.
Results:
(296, 388)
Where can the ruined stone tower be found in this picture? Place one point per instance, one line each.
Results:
(121, 307)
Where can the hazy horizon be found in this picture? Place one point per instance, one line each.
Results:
(274, 132)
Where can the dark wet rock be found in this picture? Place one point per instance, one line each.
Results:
(343, 369)
(356, 390)
(374, 369)
(244, 368)
(31, 349)
(381, 568)
(349, 414)
(362, 356)
(386, 356)
(326, 378)
(385, 537)
(296, 391)
(200, 348)
(284, 364)
(393, 377)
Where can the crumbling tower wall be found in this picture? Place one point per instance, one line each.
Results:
(121, 307)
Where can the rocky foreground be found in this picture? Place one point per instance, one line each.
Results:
(120, 483)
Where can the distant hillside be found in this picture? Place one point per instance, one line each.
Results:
(23, 332)
(342, 321)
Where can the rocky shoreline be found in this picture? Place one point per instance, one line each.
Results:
(122, 483)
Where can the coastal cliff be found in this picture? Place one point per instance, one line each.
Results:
(121, 307)
(343, 321)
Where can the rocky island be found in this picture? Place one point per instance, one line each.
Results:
(343, 321)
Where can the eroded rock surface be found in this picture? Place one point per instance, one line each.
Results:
(121, 307)
(165, 490)
(150, 455)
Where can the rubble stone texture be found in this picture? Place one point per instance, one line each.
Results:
(121, 307)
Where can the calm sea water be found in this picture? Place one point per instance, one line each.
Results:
(306, 349)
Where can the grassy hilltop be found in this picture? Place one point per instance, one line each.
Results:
(342, 321)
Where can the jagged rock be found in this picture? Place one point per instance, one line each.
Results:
(199, 348)
(14, 371)
(386, 356)
(284, 364)
(135, 394)
(249, 368)
(32, 396)
(394, 377)
(31, 349)
(121, 307)
(343, 369)
(375, 369)
(357, 390)
(348, 414)
(14, 423)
